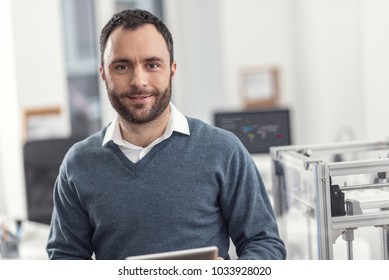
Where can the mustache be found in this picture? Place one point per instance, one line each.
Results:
(139, 91)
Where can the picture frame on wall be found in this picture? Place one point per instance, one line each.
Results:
(43, 123)
(259, 86)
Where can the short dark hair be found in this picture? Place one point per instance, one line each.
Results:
(132, 19)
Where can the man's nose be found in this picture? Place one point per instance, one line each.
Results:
(139, 77)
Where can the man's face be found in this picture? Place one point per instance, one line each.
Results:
(137, 73)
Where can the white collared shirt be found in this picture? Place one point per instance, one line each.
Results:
(177, 122)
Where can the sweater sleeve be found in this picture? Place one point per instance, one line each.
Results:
(248, 212)
(70, 232)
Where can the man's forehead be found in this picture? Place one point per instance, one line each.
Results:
(145, 37)
(145, 31)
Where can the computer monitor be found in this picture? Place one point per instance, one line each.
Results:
(258, 130)
(42, 160)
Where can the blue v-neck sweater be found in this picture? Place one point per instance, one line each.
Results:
(187, 192)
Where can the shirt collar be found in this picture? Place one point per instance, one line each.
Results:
(177, 122)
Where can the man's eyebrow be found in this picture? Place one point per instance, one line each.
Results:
(153, 58)
(126, 60)
(119, 60)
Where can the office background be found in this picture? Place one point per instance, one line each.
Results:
(331, 54)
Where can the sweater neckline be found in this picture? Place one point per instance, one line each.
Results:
(144, 163)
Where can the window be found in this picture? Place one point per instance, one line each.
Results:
(81, 54)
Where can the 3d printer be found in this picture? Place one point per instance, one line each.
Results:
(322, 192)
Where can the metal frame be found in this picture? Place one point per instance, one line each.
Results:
(329, 228)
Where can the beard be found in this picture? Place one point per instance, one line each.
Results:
(162, 99)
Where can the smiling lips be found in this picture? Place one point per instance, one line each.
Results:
(139, 98)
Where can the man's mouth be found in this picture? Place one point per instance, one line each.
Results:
(139, 98)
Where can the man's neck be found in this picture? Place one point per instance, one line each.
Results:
(144, 134)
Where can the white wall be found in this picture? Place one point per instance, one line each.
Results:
(197, 42)
(327, 69)
(39, 53)
(375, 66)
(12, 197)
(340, 69)
(32, 76)
(254, 33)
(214, 40)
(332, 56)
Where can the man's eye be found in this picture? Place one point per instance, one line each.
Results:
(153, 66)
(121, 67)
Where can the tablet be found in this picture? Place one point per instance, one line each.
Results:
(204, 253)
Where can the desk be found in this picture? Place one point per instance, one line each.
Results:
(33, 241)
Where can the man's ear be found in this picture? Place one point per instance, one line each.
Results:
(173, 68)
(102, 73)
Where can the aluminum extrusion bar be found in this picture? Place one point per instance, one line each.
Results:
(358, 167)
(364, 186)
(365, 220)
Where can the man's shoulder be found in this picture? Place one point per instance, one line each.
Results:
(199, 126)
(212, 134)
(86, 145)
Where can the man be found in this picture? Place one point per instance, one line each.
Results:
(155, 180)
